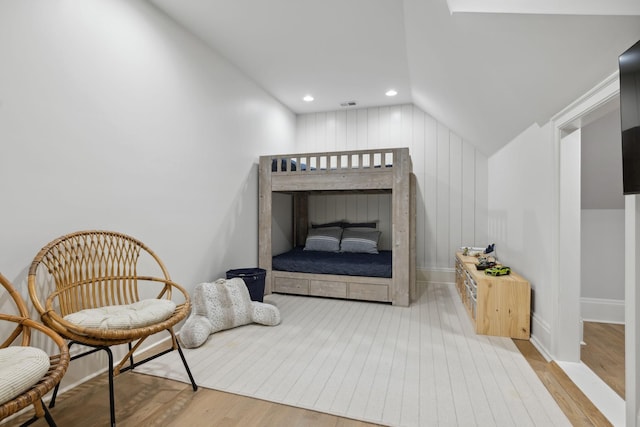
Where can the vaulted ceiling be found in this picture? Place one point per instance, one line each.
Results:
(487, 69)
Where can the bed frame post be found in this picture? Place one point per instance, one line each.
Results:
(300, 218)
(401, 225)
(412, 236)
(264, 220)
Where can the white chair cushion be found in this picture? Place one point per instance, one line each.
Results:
(130, 316)
(20, 368)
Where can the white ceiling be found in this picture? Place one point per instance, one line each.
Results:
(487, 76)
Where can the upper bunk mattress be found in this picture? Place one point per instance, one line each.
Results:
(342, 263)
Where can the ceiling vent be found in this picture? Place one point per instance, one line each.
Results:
(348, 104)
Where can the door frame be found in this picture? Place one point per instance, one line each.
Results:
(567, 344)
(563, 338)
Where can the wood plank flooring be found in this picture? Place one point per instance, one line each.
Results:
(575, 405)
(144, 400)
(603, 353)
(416, 366)
(153, 401)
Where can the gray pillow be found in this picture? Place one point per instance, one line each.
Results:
(328, 224)
(368, 224)
(363, 240)
(326, 239)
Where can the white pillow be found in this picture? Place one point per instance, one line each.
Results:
(137, 315)
(20, 369)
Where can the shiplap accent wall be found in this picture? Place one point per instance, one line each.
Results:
(451, 174)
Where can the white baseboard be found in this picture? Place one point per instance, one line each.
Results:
(436, 275)
(541, 336)
(602, 310)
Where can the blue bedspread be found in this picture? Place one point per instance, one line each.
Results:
(348, 264)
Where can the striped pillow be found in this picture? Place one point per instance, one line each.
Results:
(20, 369)
(362, 240)
(325, 239)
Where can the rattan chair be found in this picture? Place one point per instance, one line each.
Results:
(104, 270)
(19, 328)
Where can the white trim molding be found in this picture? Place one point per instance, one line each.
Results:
(436, 275)
(546, 7)
(597, 391)
(602, 310)
(594, 99)
(541, 336)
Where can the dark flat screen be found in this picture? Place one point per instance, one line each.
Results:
(629, 63)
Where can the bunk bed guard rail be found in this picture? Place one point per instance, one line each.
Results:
(337, 161)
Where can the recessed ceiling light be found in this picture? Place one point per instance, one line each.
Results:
(391, 92)
(307, 98)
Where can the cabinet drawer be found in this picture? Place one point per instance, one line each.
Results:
(291, 286)
(472, 284)
(368, 292)
(328, 289)
(473, 301)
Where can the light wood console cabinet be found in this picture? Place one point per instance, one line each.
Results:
(498, 306)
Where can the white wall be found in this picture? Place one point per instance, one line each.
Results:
(113, 117)
(603, 253)
(601, 163)
(451, 174)
(521, 215)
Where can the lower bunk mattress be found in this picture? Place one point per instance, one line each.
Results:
(342, 263)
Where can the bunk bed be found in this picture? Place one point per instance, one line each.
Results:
(359, 172)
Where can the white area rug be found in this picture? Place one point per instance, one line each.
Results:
(416, 366)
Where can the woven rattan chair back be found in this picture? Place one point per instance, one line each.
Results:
(91, 269)
(17, 329)
(95, 269)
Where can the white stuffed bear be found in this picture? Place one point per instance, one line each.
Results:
(220, 305)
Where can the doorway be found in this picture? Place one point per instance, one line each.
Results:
(568, 271)
(602, 247)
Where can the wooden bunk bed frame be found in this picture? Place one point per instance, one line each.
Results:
(361, 172)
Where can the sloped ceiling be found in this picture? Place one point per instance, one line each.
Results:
(486, 75)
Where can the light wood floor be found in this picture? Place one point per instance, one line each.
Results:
(143, 400)
(603, 353)
(152, 401)
(576, 406)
